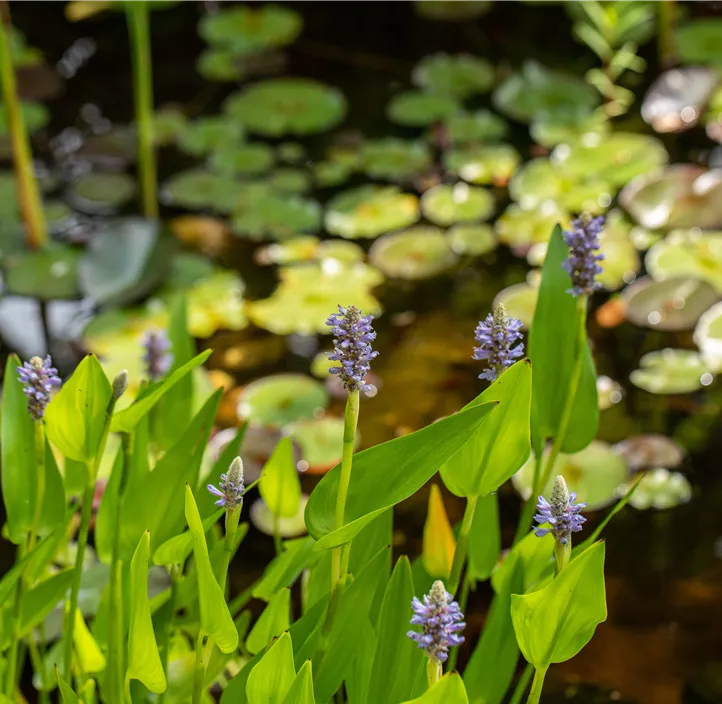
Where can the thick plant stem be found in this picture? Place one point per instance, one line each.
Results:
(537, 685)
(199, 671)
(562, 555)
(340, 556)
(138, 28)
(433, 671)
(522, 685)
(28, 193)
(462, 544)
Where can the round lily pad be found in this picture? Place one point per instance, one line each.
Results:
(264, 520)
(275, 401)
(368, 211)
(536, 89)
(168, 125)
(457, 11)
(203, 232)
(394, 159)
(114, 149)
(47, 275)
(698, 41)
(621, 261)
(290, 180)
(188, 269)
(248, 29)
(220, 65)
(458, 76)
(472, 240)
(479, 126)
(671, 371)
(35, 116)
(661, 489)
(609, 392)
(299, 249)
(671, 305)
(330, 173)
(347, 252)
(520, 229)
(281, 106)
(101, 193)
(276, 217)
(651, 450)
(242, 159)
(483, 164)
(445, 204)
(198, 189)
(519, 301)
(321, 441)
(208, 134)
(708, 337)
(417, 253)
(291, 152)
(552, 128)
(687, 253)
(417, 109)
(595, 473)
(216, 303)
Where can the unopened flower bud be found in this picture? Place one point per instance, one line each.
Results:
(120, 383)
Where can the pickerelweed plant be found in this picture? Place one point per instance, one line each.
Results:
(337, 623)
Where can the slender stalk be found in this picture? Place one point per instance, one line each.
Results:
(522, 685)
(138, 28)
(341, 554)
(229, 544)
(164, 645)
(433, 671)
(562, 555)
(39, 482)
(199, 670)
(462, 544)
(30, 203)
(537, 685)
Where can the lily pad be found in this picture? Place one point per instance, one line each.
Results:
(264, 520)
(35, 116)
(114, 149)
(698, 41)
(101, 194)
(661, 489)
(394, 159)
(188, 269)
(648, 451)
(609, 392)
(198, 189)
(671, 371)
(248, 29)
(216, 303)
(281, 106)
(521, 229)
(708, 337)
(222, 65)
(417, 253)
(483, 164)
(595, 473)
(479, 126)
(445, 204)
(457, 76)
(209, 134)
(416, 109)
(552, 128)
(671, 305)
(536, 89)
(242, 159)
(368, 211)
(320, 441)
(621, 259)
(687, 253)
(275, 401)
(290, 180)
(168, 125)
(472, 240)
(331, 173)
(455, 11)
(519, 301)
(292, 152)
(276, 217)
(49, 274)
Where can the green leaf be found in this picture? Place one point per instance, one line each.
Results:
(39, 601)
(400, 467)
(273, 676)
(144, 662)
(283, 570)
(216, 620)
(501, 444)
(554, 623)
(552, 350)
(54, 502)
(175, 550)
(274, 620)
(448, 690)
(280, 486)
(358, 676)
(125, 421)
(87, 651)
(67, 695)
(301, 690)
(485, 538)
(105, 521)
(389, 685)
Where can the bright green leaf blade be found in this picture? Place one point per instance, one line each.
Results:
(87, 651)
(274, 620)
(273, 676)
(67, 695)
(449, 689)
(175, 550)
(283, 570)
(105, 521)
(357, 679)
(400, 466)
(485, 538)
(124, 421)
(301, 691)
(216, 620)
(554, 623)
(552, 349)
(144, 662)
(54, 503)
(280, 486)
(75, 418)
(501, 445)
(39, 601)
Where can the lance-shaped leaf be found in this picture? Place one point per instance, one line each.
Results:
(450, 688)
(301, 690)
(280, 486)
(484, 538)
(273, 676)
(439, 543)
(274, 620)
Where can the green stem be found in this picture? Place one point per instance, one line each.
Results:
(462, 544)
(39, 482)
(138, 28)
(522, 685)
(562, 554)
(537, 685)
(229, 544)
(28, 193)
(164, 645)
(340, 556)
(433, 671)
(199, 670)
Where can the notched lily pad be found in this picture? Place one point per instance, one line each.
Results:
(208, 134)
(445, 204)
(417, 109)
(687, 253)
(48, 274)
(521, 229)
(289, 180)
(472, 240)
(671, 371)
(198, 189)
(479, 126)
(222, 65)
(483, 164)
(661, 489)
(648, 451)
(394, 159)
(101, 194)
(242, 160)
(458, 76)
(552, 128)
(276, 217)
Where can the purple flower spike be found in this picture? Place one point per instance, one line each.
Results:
(352, 346)
(441, 620)
(497, 336)
(561, 513)
(38, 377)
(231, 492)
(582, 264)
(157, 357)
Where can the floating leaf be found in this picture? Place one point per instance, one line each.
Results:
(220, 65)
(519, 301)
(242, 160)
(417, 109)
(101, 193)
(671, 371)
(456, 11)
(34, 115)
(660, 489)
(394, 159)
(650, 450)
(290, 180)
(473, 240)
(439, 543)
(276, 217)
(168, 125)
(458, 76)
(479, 126)
(266, 522)
(520, 229)
(708, 337)
(48, 275)
(198, 189)
(320, 440)
(446, 204)
(210, 134)
(687, 253)
(567, 126)
(483, 164)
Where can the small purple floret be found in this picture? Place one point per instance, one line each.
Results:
(158, 359)
(38, 377)
(231, 488)
(497, 336)
(560, 512)
(441, 620)
(352, 346)
(582, 265)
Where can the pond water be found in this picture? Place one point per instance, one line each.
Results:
(661, 643)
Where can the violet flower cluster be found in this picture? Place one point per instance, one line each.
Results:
(38, 377)
(157, 357)
(352, 346)
(496, 337)
(582, 265)
(231, 487)
(441, 620)
(561, 512)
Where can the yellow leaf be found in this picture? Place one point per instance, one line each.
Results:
(439, 543)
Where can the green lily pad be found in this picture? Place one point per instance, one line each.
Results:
(698, 41)
(303, 248)
(394, 159)
(209, 134)
(687, 253)
(648, 451)
(569, 126)
(281, 106)
(275, 401)
(661, 489)
(417, 253)
(346, 252)
(455, 11)
(188, 269)
(320, 441)
(445, 204)
(416, 109)
(222, 65)
(609, 393)
(216, 303)
(457, 76)
(671, 305)
(621, 260)
(479, 126)
(247, 29)
(595, 474)
(521, 229)
(276, 217)
(671, 371)
(49, 274)
(114, 149)
(519, 301)
(536, 89)
(101, 194)
(35, 116)
(483, 164)
(59, 216)
(291, 152)
(708, 337)
(198, 189)
(368, 211)
(330, 173)
(264, 520)
(168, 125)
(242, 159)
(290, 180)
(472, 240)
